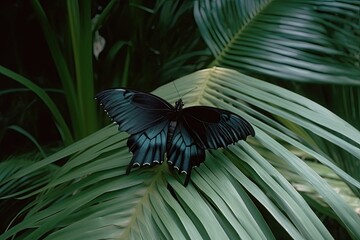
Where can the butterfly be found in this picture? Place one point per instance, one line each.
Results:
(156, 127)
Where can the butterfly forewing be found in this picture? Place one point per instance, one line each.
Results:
(134, 111)
(213, 127)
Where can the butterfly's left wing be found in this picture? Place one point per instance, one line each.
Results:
(212, 127)
(149, 146)
(143, 115)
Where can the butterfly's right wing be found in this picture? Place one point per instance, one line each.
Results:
(200, 128)
(134, 111)
(213, 127)
(184, 153)
(145, 116)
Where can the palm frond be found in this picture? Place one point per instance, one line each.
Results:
(306, 41)
(91, 197)
(14, 193)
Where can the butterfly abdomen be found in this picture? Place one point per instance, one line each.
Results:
(170, 133)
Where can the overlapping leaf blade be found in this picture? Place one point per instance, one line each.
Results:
(91, 197)
(306, 41)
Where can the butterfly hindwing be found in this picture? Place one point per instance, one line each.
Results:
(212, 127)
(134, 111)
(184, 153)
(149, 146)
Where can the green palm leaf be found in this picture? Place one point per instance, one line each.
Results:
(307, 41)
(90, 197)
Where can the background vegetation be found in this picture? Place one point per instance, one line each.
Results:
(299, 174)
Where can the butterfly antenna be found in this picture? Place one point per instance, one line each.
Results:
(176, 89)
(189, 91)
(184, 93)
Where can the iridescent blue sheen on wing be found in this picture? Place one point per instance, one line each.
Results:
(149, 146)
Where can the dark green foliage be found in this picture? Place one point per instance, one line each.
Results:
(49, 76)
(14, 192)
(52, 47)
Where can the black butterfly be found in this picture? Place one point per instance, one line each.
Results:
(157, 127)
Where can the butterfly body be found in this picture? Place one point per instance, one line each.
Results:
(171, 130)
(157, 128)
